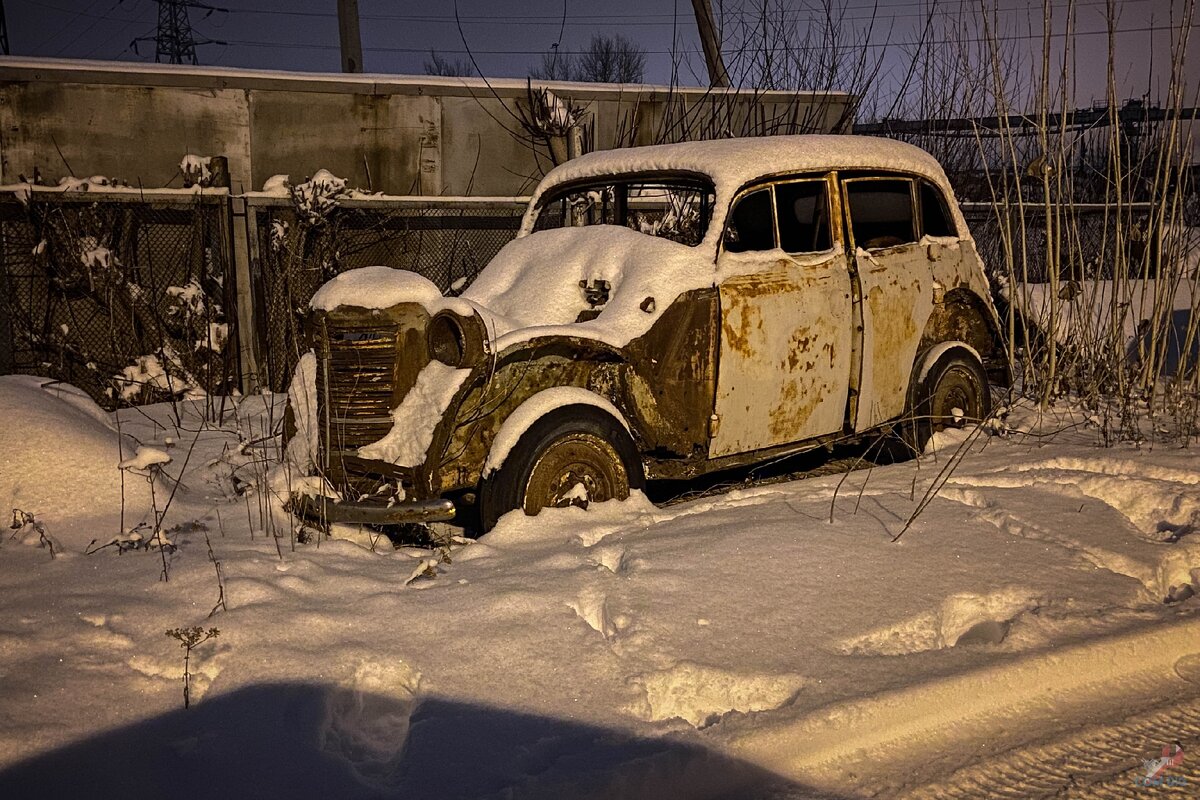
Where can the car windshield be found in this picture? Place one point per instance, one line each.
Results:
(670, 208)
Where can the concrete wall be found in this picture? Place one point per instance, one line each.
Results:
(400, 135)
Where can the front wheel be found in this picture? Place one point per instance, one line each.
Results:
(573, 456)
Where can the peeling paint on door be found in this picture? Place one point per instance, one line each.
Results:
(784, 364)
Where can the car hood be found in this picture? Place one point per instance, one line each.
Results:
(533, 286)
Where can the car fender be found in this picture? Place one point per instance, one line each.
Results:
(535, 408)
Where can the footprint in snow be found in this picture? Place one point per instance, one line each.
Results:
(368, 718)
(591, 606)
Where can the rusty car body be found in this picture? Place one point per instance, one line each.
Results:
(664, 312)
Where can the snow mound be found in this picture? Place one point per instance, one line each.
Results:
(962, 619)
(701, 694)
(59, 457)
(144, 458)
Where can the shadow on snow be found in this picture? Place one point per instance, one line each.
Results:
(304, 740)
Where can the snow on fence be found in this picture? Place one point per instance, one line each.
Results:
(139, 295)
(120, 292)
(293, 252)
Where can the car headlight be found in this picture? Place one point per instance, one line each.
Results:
(455, 341)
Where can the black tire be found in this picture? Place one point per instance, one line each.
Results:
(956, 380)
(576, 444)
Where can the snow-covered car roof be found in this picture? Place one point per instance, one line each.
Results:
(732, 163)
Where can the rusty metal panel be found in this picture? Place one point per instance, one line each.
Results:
(897, 291)
(672, 373)
(784, 365)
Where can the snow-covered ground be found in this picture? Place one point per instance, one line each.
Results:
(768, 642)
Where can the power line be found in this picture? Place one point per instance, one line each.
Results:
(89, 28)
(774, 48)
(652, 18)
(591, 20)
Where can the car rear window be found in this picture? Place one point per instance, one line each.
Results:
(803, 211)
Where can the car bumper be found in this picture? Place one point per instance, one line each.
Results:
(328, 510)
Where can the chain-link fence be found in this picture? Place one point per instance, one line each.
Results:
(293, 253)
(127, 295)
(133, 296)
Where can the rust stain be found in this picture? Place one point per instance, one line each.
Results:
(795, 405)
(893, 334)
(740, 322)
(798, 345)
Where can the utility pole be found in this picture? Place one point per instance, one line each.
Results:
(717, 76)
(3, 30)
(350, 37)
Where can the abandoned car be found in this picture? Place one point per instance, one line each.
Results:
(663, 312)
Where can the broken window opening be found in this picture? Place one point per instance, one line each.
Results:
(803, 213)
(881, 212)
(751, 225)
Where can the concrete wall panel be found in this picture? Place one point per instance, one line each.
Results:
(396, 134)
(136, 133)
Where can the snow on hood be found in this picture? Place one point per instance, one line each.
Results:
(532, 287)
(376, 287)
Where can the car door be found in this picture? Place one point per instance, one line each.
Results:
(783, 366)
(896, 284)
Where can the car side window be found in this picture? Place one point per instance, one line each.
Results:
(751, 224)
(881, 212)
(802, 208)
(935, 219)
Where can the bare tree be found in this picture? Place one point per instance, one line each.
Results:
(437, 64)
(553, 68)
(608, 59)
(612, 59)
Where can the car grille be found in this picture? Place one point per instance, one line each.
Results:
(356, 388)
(367, 361)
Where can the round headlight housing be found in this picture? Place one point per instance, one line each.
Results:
(456, 340)
(447, 340)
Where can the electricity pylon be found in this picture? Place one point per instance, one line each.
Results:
(174, 41)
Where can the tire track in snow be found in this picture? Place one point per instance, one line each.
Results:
(1104, 762)
(883, 737)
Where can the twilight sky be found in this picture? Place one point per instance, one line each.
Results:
(507, 38)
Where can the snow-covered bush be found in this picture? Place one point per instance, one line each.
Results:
(134, 308)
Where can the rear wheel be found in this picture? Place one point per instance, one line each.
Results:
(573, 456)
(954, 394)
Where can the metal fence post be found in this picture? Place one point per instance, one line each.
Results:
(247, 328)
